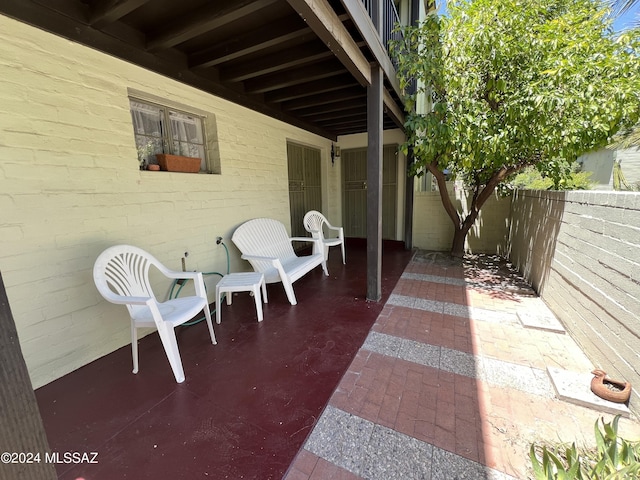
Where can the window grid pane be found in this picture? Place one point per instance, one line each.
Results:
(160, 130)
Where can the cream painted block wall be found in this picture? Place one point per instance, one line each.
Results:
(433, 230)
(70, 187)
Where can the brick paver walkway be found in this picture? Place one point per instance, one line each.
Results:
(450, 384)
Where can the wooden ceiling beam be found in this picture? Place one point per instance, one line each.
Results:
(337, 114)
(309, 89)
(260, 39)
(276, 62)
(202, 20)
(319, 15)
(104, 13)
(344, 94)
(392, 109)
(334, 106)
(293, 77)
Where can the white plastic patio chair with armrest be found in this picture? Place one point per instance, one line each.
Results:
(314, 223)
(121, 275)
(266, 245)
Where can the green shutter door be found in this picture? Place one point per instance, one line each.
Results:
(305, 192)
(354, 186)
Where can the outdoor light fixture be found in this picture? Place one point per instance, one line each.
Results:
(335, 152)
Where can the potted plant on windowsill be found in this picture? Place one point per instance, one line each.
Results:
(178, 163)
(144, 153)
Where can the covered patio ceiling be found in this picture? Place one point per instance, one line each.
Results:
(304, 62)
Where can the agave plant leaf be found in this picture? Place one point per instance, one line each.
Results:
(631, 471)
(538, 470)
(559, 465)
(599, 438)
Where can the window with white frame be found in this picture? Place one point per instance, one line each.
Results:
(161, 129)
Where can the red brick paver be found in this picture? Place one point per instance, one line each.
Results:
(488, 424)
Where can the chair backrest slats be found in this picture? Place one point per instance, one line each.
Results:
(264, 237)
(124, 270)
(314, 222)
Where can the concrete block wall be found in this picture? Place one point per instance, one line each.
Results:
(70, 186)
(581, 252)
(433, 230)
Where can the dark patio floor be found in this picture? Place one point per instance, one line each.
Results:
(247, 405)
(449, 376)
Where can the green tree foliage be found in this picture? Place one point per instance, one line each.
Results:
(511, 84)
(532, 179)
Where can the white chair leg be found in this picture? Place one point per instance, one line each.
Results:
(218, 305)
(264, 292)
(324, 267)
(170, 344)
(134, 347)
(258, 300)
(207, 315)
(288, 288)
(326, 253)
(344, 261)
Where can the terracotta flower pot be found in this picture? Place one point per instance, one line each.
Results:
(177, 163)
(613, 390)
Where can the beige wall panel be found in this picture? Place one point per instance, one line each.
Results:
(433, 229)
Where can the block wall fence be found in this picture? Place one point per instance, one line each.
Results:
(433, 230)
(581, 252)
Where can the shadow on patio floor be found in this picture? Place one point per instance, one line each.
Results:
(449, 384)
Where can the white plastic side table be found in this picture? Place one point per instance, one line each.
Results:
(241, 282)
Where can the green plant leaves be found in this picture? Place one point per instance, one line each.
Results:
(614, 459)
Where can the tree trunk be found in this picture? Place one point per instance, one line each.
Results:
(457, 247)
(460, 234)
(450, 209)
(481, 195)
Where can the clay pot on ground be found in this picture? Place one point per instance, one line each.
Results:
(612, 390)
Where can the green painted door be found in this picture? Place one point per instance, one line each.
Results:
(354, 187)
(305, 192)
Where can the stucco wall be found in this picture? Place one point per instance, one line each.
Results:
(70, 187)
(600, 163)
(629, 159)
(581, 252)
(433, 230)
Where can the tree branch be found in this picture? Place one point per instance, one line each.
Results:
(444, 193)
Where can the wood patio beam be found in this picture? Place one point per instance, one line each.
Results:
(321, 18)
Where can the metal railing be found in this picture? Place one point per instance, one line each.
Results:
(390, 18)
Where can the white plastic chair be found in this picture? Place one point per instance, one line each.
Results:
(266, 245)
(121, 275)
(314, 223)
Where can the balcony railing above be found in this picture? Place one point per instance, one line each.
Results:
(389, 16)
